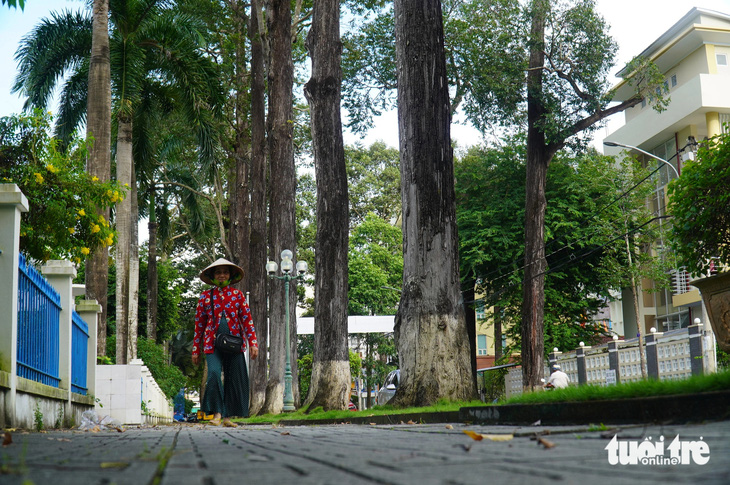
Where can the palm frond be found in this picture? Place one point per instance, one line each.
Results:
(56, 46)
(73, 104)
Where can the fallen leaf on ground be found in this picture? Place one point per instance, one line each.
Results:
(410, 422)
(498, 437)
(7, 439)
(491, 437)
(285, 433)
(448, 426)
(547, 444)
(373, 424)
(114, 464)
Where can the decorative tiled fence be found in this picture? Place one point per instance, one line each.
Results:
(677, 354)
(121, 388)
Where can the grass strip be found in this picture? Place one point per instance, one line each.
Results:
(697, 384)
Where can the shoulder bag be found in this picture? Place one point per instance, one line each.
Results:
(225, 342)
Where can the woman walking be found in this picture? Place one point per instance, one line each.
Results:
(224, 310)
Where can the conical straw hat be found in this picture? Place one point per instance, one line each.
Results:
(236, 272)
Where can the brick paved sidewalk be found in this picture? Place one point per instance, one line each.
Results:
(354, 454)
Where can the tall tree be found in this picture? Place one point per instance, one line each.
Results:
(256, 270)
(584, 244)
(430, 330)
(330, 385)
(576, 37)
(240, 152)
(98, 127)
(538, 157)
(375, 267)
(282, 195)
(373, 176)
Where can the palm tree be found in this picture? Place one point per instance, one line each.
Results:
(155, 52)
(98, 127)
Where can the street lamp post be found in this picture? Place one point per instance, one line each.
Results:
(286, 267)
(631, 147)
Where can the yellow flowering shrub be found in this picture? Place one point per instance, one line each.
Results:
(64, 199)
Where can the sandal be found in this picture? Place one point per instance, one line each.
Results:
(229, 424)
(215, 422)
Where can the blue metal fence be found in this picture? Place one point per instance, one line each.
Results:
(39, 308)
(79, 346)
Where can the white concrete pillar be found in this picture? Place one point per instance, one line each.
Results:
(89, 311)
(12, 204)
(60, 275)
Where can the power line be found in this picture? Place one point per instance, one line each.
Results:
(570, 261)
(624, 194)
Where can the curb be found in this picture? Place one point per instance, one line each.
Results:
(420, 418)
(684, 408)
(676, 409)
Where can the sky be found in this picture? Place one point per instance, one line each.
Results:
(634, 25)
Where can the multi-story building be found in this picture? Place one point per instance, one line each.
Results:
(694, 55)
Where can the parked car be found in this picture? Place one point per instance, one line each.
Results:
(387, 391)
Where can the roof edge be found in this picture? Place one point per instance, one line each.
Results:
(675, 30)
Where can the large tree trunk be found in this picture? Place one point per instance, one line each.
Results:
(430, 331)
(635, 300)
(533, 289)
(152, 290)
(133, 298)
(283, 195)
(240, 202)
(330, 386)
(124, 238)
(98, 126)
(256, 268)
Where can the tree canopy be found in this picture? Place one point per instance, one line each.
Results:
(584, 226)
(698, 203)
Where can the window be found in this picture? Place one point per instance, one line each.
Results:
(674, 80)
(480, 311)
(481, 345)
(721, 59)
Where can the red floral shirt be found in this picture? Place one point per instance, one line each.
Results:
(212, 304)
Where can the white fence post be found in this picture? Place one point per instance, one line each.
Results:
(12, 204)
(89, 311)
(60, 275)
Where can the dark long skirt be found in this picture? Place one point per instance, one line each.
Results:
(229, 399)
